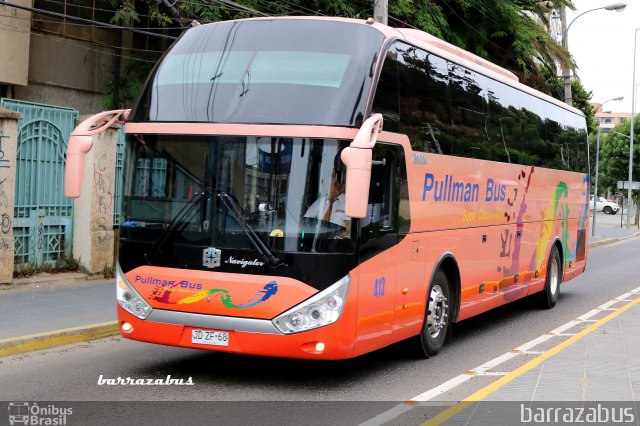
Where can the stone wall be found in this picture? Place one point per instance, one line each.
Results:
(8, 146)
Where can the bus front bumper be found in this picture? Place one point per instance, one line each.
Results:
(244, 335)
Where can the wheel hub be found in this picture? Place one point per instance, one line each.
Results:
(438, 312)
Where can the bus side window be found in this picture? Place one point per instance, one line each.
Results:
(386, 101)
(387, 193)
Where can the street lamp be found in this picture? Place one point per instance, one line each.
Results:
(595, 187)
(633, 112)
(618, 7)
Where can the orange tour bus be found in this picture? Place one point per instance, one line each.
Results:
(319, 188)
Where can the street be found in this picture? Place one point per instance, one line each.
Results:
(71, 373)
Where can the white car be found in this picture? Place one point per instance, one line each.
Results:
(607, 207)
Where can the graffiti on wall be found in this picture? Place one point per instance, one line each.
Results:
(5, 209)
(102, 187)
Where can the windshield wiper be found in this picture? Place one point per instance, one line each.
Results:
(233, 208)
(177, 223)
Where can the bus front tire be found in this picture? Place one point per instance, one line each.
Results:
(437, 316)
(549, 296)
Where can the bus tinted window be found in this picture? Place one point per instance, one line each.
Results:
(505, 130)
(468, 115)
(448, 109)
(387, 93)
(424, 97)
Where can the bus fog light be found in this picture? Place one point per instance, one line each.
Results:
(129, 299)
(126, 327)
(320, 347)
(322, 309)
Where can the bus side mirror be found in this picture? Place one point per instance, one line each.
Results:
(77, 149)
(358, 158)
(80, 143)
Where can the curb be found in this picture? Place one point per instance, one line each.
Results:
(603, 242)
(49, 339)
(607, 241)
(49, 278)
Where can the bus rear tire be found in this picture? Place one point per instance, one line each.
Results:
(437, 323)
(549, 296)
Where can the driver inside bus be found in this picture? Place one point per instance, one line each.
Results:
(330, 208)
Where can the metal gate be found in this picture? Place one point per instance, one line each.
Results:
(42, 226)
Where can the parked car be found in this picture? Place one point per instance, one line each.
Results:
(607, 207)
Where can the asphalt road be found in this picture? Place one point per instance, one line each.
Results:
(71, 373)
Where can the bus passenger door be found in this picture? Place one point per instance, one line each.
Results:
(379, 251)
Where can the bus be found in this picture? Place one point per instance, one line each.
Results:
(319, 188)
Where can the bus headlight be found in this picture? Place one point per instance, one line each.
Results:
(322, 309)
(129, 299)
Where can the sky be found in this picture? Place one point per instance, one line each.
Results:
(602, 43)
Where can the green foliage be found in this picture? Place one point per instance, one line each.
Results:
(614, 157)
(108, 272)
(581, 98)
(131, 81)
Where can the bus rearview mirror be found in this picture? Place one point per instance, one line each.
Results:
(357, 158)
(358, 163)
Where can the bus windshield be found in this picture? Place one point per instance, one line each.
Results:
(258, 195)
(257, 72)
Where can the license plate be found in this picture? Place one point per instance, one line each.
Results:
(208, 337)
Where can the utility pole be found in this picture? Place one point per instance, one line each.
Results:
(381, 11)
(566, 73)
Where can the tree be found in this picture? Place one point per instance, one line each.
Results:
(614, 157)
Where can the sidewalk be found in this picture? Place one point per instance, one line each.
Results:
(51, 310)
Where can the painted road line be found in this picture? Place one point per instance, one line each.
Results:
(591, 313)
(624, 296)
(493, 387)
(492, 373)
(35, 342)
(558, 331)
(609, 304)
(494, 362)
(389, 415)
(445, 387)
(533, 343)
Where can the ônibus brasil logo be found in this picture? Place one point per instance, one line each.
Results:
(27, 413)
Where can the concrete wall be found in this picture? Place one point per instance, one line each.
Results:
(8, 147)
(65, 72)
(15, 25)
(84, 102)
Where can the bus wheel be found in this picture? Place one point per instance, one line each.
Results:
(549, 296)
(436, 323)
